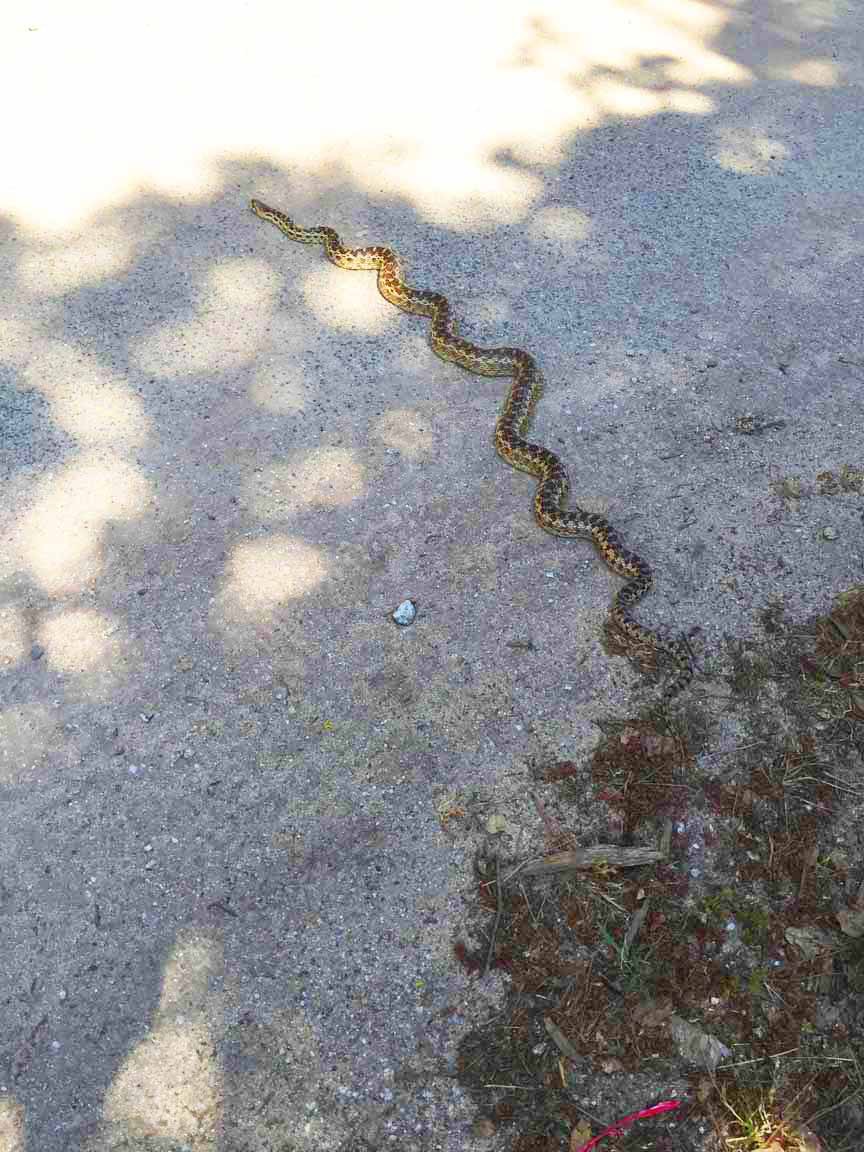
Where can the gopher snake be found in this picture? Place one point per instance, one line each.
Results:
(554, 486)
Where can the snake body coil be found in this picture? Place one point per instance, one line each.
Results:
(551, 498)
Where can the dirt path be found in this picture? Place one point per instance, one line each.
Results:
(239, 805)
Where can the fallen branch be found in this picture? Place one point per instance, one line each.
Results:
(587, 858)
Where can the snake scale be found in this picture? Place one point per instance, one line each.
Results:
(551, 499)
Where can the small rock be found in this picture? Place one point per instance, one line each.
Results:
(697, 1047)
(406, 613)
(829, 533)
(37, 652)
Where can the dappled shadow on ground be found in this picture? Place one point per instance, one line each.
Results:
(225, 462)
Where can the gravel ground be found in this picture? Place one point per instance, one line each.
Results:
(228, 897)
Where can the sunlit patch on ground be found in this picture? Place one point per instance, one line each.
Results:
(326, 478)
(85, 401)
(59, 537)
(11, 1125)
(406, 432)
(426, 126)
(85, 646)
(242, 289)
(741, 150)
(264, 574)
(169, 1087)
(13, 634)
(347, 302)
(25, 730)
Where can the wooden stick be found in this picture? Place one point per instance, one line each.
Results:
(586, 858)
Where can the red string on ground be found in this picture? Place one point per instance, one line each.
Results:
(620, 1126)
